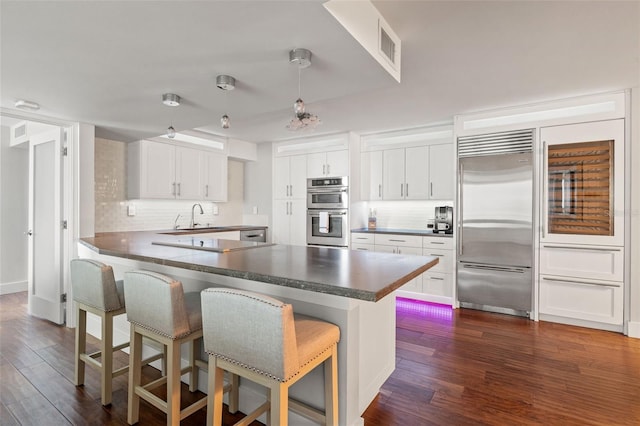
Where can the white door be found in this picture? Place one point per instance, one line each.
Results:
(417, 173)
(189, 176)
(441, 173)
(393, 174)
(317, 165)
(338, 163)
(45, 275)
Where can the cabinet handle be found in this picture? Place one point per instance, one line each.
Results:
(399, 251)
(581, 248)
(406, 191)
(179, 189)
(401, 241)
(430, 189)
(401, 190)
(324, 166)
(436, 242)
(581, 282)
(291, 190)
(380, 190)
(328, 169)
(437, 255)
(206, 190)
(361, 238)
(173, 192)
(365, 249)
(436, 278)
(288, 207)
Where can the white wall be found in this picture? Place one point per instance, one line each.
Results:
(112, 205)
(14, 207)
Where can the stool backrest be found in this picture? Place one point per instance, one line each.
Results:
(93, 284)
(156, 302)
(250, 329)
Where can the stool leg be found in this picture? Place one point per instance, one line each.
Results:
(107, 357)
(173, 383)
(135, 372)
(234, 380)
(194, 353)
(331, 388)
(81, 344)
(215, 384)
(279, 404)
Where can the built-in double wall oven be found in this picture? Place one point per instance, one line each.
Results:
(328, 211)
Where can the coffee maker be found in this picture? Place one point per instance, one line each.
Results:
(443, 220)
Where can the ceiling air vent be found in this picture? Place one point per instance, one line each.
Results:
(387, 46)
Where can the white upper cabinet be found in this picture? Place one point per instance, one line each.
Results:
(159, 170)
(371, 175)
(290, 177)
(405, 173)
(331, 163)
(441, 173)
(408, 165)
(215, 176)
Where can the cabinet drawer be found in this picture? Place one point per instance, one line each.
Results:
(398, 240)
(362, 238)
(438, 242)
(591, 262)
(364, 247)
(445, 260)
(585, 300)
(437, 284)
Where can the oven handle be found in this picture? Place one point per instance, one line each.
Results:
(317, 213)
(325, 190)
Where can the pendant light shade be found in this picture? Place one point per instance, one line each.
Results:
(171, 132)
(226, 83)
(172, 100)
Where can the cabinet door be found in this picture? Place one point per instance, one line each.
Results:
(393, 174)
(157, 170)
(281, 188)
(317, 165)
(338, 163)
(437, 284)
(216, 179)
(371, 175)
(281, 219)
(298, 225)
(583, 183)
(441, 173)
(189, 183)
(417, 173)
(298, 176)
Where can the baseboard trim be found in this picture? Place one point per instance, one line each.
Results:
(14, 287)
(634, 329)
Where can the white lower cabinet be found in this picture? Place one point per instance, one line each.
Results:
(582, 283)
(435, 285)
(582, 299)
(290, 222)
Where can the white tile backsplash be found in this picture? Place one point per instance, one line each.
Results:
(405, 214)
(112, 205)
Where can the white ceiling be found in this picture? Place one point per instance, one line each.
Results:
(108, 62)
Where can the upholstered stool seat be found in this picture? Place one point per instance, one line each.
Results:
(260, 338)
(158, 309)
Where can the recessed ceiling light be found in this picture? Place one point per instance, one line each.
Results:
(27, 105)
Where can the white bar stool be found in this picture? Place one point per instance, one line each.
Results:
(158, 309)
(260, 338)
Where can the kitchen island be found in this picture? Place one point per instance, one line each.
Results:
(354, 290)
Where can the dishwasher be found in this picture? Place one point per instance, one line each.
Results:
(258, 235)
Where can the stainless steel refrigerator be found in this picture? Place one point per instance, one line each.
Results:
(495, 217)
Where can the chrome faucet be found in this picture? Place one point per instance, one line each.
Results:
(175, 222)
(193, 223)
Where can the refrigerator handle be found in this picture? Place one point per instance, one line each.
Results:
(545, 188)
(460, 211)
(513, 270)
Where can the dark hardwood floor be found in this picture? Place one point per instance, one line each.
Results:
(459, 367)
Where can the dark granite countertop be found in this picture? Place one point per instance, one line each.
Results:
(360, 275)
(419, 232)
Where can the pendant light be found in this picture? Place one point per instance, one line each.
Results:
(226, 83)
(172, 100)
(302, 120)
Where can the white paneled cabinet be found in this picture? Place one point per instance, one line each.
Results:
(435, 285)
(159, 170)
(405, 173)
(215, 176)
(371, 175)
(330, 163)
(290, 177)
(290, 222)
(441, 173)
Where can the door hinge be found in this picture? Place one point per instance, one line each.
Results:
(63, 297)
(64, 224)
(64, 151)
